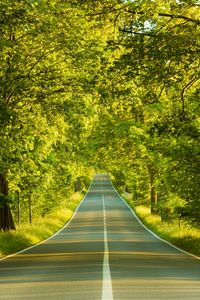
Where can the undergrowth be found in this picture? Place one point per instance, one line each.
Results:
(42, 228)
(179, 233)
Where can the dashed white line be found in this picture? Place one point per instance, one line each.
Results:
(107, 292)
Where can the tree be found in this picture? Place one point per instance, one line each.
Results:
(153, 84)
(49, 67)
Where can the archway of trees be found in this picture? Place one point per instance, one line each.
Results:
(110, 85)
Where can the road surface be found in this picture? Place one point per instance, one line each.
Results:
(104, 253)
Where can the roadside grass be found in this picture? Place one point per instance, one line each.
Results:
(180, 234)
(27, 235)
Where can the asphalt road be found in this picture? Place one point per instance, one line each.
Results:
(104, 253)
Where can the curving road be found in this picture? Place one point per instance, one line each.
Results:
(104, 253)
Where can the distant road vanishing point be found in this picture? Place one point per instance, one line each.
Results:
(104, 253)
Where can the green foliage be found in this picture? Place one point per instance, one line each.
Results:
(41, 229)
(109, 85)
(46, 99)
(149, 126)
(180, 234)
(4, 199)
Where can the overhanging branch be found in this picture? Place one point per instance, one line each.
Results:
(172, 16)
(134, 32)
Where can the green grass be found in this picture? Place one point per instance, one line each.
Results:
(29, 234)
(181, 234)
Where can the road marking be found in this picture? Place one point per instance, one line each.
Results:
(107, 293)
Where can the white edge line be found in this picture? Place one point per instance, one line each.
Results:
(57, 232)
(154, 234)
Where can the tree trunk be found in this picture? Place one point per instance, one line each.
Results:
(18, 208)
(30, 209)
(153, 193)
(6, 219)
(77, 185)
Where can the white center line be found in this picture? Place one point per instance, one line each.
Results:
(107, 293)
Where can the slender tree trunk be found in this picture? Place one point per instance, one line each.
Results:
(6, 219)
(30, 209)
(153, 193)
(18, 208)
(77, 185)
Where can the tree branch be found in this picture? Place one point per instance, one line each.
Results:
(183, 93)
(134, 32)
(172, 16)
